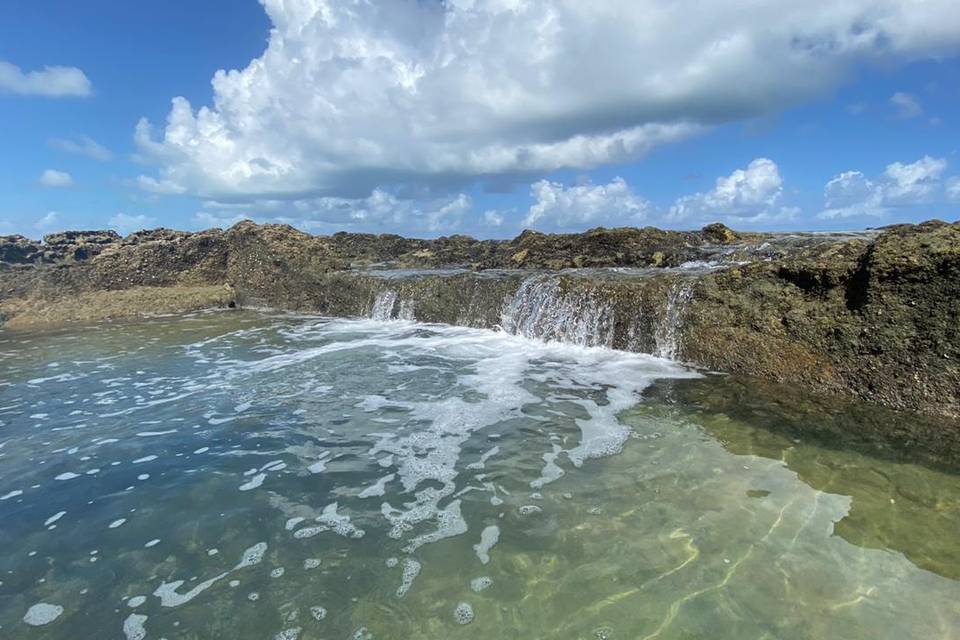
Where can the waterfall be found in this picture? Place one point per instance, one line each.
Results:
(668, 332)
(406, 310)
(383, 305)
(543, 308)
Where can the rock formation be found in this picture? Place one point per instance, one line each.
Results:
(873, 315)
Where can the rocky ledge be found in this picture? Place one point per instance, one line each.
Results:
(874, 315)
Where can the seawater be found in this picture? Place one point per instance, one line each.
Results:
(244, 475)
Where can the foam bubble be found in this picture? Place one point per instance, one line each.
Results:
(488, 537)
(12, 494)
(288, 634)
(136, 601)
(463, 614)
(252, 556)
(42, 613)
(529, 509)
(311, 563)
(277, 573)
(69, 475)
(318, 613)
(152, 543)
(117, 523)
(133, 627)
(144, 459)
(411, 569)
(481, 583)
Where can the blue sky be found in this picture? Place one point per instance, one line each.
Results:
(477, 116)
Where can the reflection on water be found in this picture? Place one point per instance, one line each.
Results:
(250, 476)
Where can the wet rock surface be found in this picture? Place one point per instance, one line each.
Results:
(874, 315)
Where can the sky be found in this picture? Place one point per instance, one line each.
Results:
(483, 117)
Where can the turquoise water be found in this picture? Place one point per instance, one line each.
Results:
(244, 475)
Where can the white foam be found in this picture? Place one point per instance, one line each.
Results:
(340, 523)
(69, 475)
(152, 543)
(153, 434)
(321, 464)
(55, 517)
(117, 523)
(318, 613)
(133, 627)
(311, 563)
(288, 634)
(136, 601)
(202, 450)
(252, 556)
(292, 523)
(12, 494)
(254, 482)
(411, 569)
(481, 583)
(277, 573)
(488, 538)
(144, 459)
(42, 613)
(463, 614)
(169, 597)
(377, 489)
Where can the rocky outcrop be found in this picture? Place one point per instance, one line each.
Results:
(873, 315)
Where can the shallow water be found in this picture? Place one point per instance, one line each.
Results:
(259, 476)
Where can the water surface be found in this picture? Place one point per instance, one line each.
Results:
(244, 475)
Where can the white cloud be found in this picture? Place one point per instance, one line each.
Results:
(852, 194)
(350, 95)
(953, 189)
(747, 195)
(47, 222)
(906, 105)
(493, 218)
(56, 179)
(563, 207)
(162, 187)
(207, 220)
(53, 82)
(85, 146)
(125, 223)
(381, 211)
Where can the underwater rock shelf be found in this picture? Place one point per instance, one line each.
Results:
(875, 315)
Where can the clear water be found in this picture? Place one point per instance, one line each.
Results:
(255, 476)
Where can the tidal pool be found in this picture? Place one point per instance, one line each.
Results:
(244, 475)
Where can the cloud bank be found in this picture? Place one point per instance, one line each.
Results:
(351, 95)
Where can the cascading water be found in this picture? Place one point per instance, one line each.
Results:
(668, 331)
(542, 308)
(383, 305)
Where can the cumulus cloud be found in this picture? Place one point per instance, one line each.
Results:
(852, 194)
(125, 223)
(907, 106)
(747, 195)
(51, 82)
(560, 207)
(56, 179)
(85, 146)
(351, 95)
